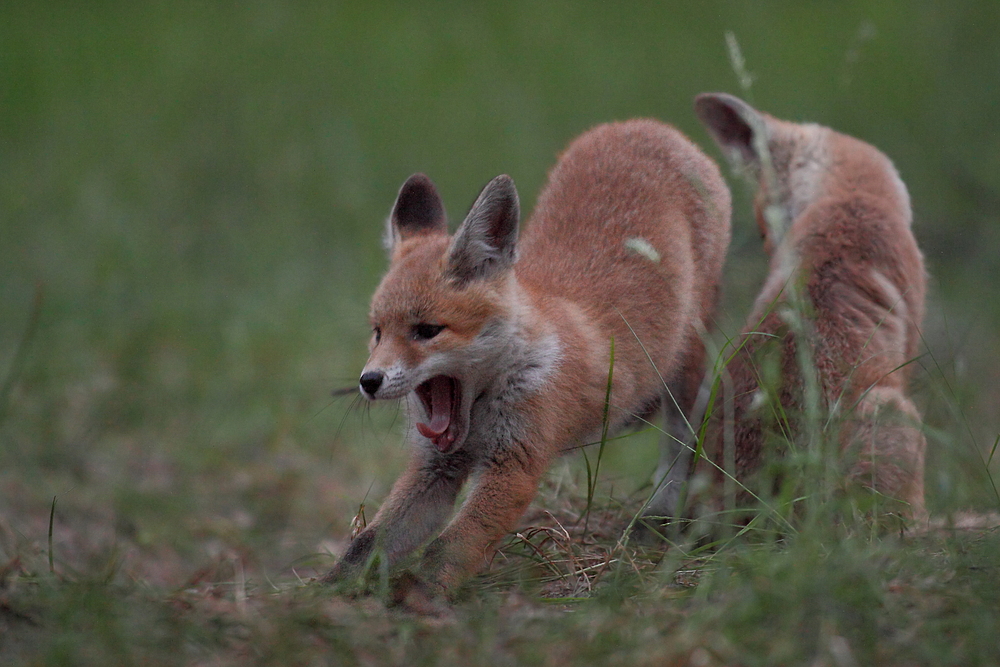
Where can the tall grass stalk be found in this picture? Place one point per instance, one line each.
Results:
(605, 421)
(52, 518)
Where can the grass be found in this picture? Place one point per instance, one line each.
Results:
(555, 596)
(190, 206)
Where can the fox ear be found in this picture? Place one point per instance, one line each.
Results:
(484, 244)
(736, 126)
(418, 210)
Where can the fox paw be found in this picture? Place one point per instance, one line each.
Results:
(343, 574)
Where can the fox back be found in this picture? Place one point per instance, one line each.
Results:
(618, 190)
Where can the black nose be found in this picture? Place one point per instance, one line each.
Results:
(371, 381)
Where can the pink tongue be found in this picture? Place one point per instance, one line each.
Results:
(440, 412)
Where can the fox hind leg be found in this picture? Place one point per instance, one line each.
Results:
(672, 471)
(682, 406)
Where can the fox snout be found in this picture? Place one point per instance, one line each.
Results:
(370, 383)
(386, 383)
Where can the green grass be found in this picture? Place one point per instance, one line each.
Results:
(191, 200)
(816, 596)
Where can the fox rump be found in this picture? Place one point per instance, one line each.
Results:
(501, 345)
(839, 232)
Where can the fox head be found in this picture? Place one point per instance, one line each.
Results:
(793, 163)
(438, 317)
(788, 161)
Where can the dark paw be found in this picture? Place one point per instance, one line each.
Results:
(359, 560)
(338, 575)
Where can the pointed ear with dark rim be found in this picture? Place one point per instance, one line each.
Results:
(485, 243)
(736, 126)
(418, 211)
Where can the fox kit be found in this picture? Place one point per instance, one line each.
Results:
(846, 244)
(502, 347)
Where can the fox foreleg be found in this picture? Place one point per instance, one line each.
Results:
(503, 488)
(420, 501)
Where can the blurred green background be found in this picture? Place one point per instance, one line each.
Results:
(196, 191)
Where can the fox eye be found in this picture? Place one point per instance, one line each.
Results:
(378, 334)
(424, 331)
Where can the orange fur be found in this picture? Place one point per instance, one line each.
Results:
(848, 247)
(502, 347)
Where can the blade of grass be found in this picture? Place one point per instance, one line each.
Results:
(698, 445)
(52, 516)
(592, 481)
(956, 408)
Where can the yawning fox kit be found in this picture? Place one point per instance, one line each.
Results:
(503, 345)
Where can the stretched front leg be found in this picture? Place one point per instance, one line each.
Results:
(502, 489)
(420, 501)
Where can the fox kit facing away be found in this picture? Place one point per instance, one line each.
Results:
(841, 235)
(502, 346)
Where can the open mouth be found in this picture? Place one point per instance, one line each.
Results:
(442, 398)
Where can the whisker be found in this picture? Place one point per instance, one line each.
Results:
(321, 411)
(350, 408)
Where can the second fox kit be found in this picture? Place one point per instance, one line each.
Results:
(847, 245)
(502, 346)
